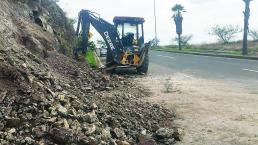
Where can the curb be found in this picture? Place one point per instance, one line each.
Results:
(209, 54)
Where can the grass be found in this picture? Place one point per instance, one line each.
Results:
(91, 59)
(231, 49)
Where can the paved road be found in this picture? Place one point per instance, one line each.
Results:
(244, 72)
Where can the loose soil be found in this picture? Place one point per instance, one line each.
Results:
(212, 112)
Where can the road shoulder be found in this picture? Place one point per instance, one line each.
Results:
(210, 111)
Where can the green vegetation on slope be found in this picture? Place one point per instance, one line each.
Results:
(91, 59)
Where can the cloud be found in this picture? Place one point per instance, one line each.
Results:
(200, 15)
(201, 1)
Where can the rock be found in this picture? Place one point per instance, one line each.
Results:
(89, 129)
(39, 97)
(28, 116)
(164, 133)
(106, 78)
(62, 98)
(29, 140)
(122, 142)
(89, 141)
(118, 133)
(52, 120)
(112, 142)
(93, 106)
(88, 89)
(31, 78)
(12, 122)
(2, 96)
(1, 126)
(61, 135)
(39, 131)
(112, 122)
(144, 132)
(58, 88)
(67, 86)
(40, 85)
(90, 117)
(147, 142)
(75, 126)
(50, 91)
(105, 134)
(66, 125)
(12, 130)
(108, 88)
(1, 58)
(178, 134)
(4, 142)
(24, 65)
(62, 110)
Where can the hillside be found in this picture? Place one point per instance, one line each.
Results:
(48, 98)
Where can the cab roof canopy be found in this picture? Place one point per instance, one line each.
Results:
(132, 20)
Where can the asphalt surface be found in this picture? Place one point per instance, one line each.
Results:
(244, 72)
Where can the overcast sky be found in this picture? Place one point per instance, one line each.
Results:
(200, 15)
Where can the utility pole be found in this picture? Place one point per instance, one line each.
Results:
(246, 26)
(155, 18)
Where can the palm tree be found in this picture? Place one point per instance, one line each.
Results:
(246, 26)
(178, 19)
(178, 8)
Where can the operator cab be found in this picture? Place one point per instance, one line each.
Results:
(130, 30)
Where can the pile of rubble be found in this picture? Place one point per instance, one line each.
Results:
(48, 98)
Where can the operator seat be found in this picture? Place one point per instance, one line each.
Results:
(127, 40)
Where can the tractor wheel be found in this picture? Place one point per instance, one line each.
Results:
(143, 69)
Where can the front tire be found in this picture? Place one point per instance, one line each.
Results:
(143, 69)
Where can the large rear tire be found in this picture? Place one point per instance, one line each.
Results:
(143, 69)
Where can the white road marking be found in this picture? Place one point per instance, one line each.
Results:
(250, 70)
(166, 56)
(187, 76)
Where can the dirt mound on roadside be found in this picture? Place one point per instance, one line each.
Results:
(48, 98)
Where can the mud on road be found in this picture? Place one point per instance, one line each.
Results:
(211, 112)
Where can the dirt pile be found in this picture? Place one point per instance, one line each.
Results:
(48, 98)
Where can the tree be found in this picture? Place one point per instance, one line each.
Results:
(246, 26)
(155, 42)
(178, 19)
(184, 40)
(254, 34)
(225, 33)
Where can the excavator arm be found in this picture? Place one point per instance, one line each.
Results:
(105, 29)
